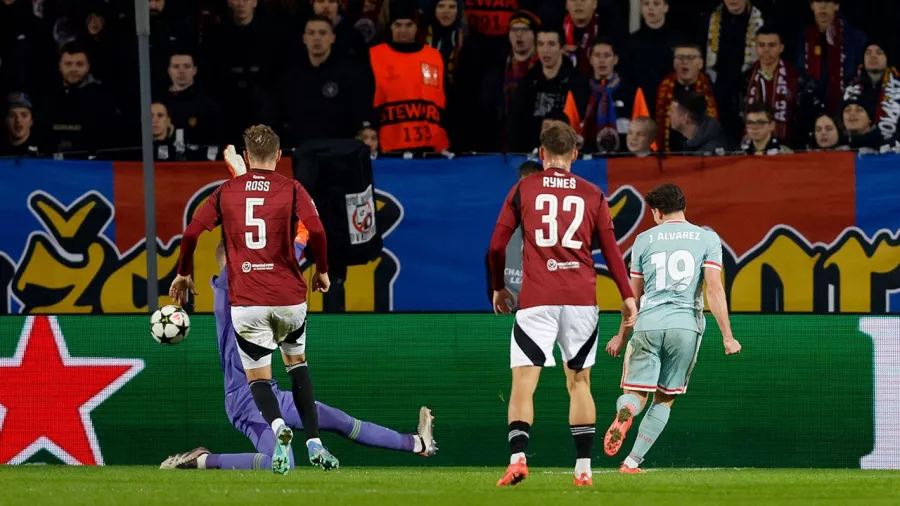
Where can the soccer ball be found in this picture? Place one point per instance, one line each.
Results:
(169, 325)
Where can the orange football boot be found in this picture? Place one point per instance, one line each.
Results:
(615, 435)
(515, 473)
(630, 470)
(584, 480)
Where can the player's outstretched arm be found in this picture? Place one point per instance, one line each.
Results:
(718, 305)
(617, 343)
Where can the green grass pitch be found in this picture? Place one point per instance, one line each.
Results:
(137, 486)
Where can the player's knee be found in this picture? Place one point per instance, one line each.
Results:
(577, 382)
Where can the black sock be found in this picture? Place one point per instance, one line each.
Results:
(304, 399)
(584, 440)
(518, 437)
(265, 400)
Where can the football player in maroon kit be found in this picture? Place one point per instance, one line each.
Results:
(560, 214)
(260, 212)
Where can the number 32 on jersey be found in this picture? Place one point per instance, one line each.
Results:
(549, 205)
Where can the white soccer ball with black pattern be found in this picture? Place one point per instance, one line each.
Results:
(169, 325)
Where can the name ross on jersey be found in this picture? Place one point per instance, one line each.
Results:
(559, 182)
(676, 236)
(257, 186)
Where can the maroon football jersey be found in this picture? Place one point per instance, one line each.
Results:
(259, 212)
(560, 214)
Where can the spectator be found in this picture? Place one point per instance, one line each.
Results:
(609, 108)
(19, 139)
(322, 85)
(369, 137)
(689, 117)
(730, 54)
(687, 78)
(487, 94)
(880, 84)
(641, 135)
(446, 34)
(192, 110)
(240, 59)
(829, 53)
(827, 134)
(19, 45)
(168, 30)
(374, 21)
(409, 87)
(523, 27)
(551, 84)
(348, 40)
(861, 132)
(761, 139)
(582, 25)
(650, 59)
(774, 82)
(100, 42)
(161, 123)
(79, 113)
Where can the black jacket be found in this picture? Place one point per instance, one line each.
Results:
(536, 96)
(340, 90)
(195, 112)
(710, 139)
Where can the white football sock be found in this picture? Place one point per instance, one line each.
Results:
(582, 466)
(514, 458)
(313, 440)
(201, 461)
(418, 444)
(630, 462)
(276, 425)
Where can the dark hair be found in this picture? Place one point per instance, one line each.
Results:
(551, 29)
(667, 198)
(322, 19)
(183, 52)
(695, 105)
(529, 167)
(688, 45)
(761, 107)
(602, 41)
(74, 47)
(769, 29)
(559, 140)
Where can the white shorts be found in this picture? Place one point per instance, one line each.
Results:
(537, 328)
(261, 329)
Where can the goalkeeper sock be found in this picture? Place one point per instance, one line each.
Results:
(651, 427)
(305, 399)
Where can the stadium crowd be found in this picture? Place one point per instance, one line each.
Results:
(632, 76)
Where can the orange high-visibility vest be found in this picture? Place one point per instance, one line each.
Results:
(409, 96)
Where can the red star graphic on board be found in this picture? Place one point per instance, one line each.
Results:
(47, 396)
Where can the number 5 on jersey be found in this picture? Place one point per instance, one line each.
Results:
(550, 203)
(259, 223)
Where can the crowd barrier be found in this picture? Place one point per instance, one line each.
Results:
(806, 391)
(816, 232)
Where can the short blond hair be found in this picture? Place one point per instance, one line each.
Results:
(648, 123)
(262, 143)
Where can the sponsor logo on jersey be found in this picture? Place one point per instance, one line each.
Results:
(245, 266)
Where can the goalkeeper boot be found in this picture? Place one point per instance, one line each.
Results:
(426, 433)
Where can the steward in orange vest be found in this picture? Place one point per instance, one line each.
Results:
(409, 87)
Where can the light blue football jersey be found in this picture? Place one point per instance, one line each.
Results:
(671, 258)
